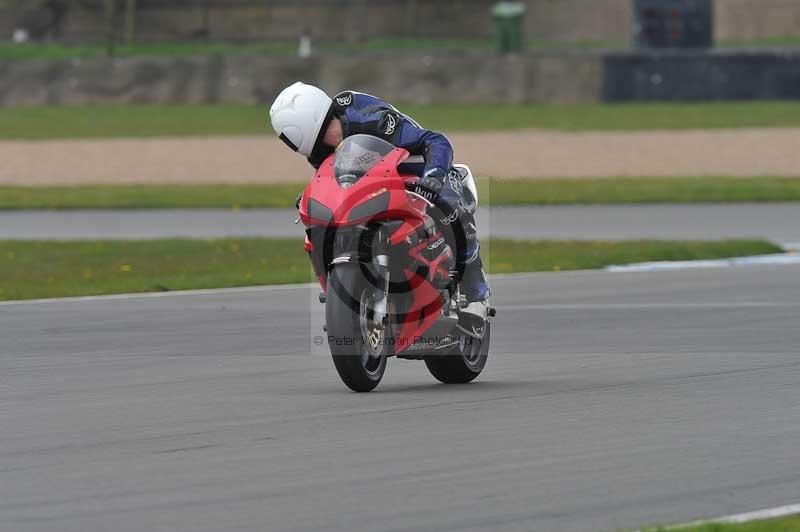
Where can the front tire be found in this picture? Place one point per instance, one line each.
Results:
(463, 363)
(359, 349)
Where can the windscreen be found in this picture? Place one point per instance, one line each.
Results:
(357, 155)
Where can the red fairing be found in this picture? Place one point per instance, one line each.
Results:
(383, 178)
(438, 265)
(425, 304)
(410, 225)
(423, 312)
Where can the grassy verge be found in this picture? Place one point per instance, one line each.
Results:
(115, 121)
(149, 196)
(391, 45)
(785, 41)
(640, 190)
(87, 51)
(608, 117)
(511, 256)
(784, 524)
(58, 269)
(492, 191)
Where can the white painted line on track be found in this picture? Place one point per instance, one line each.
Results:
(768, 513)
(154, 295)
(654, 306)
(631, 268)
(779, 259)
(234, 290)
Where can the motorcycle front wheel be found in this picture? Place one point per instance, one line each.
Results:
(358, 344)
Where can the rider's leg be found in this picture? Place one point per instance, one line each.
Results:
(473, 283)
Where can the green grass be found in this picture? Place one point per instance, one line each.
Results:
(58, 269)
(639, 190)
(786, 41)
(88, 51)
(115, 121)
(141, 121)
(511, 256)
(492, 192)
(784, 524)
(608, 117)
(149, 196)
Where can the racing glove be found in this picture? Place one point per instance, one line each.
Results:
(433, 179)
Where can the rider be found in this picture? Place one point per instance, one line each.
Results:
(312, 124)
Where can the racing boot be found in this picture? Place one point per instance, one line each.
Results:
(477, 292)
(474, 284)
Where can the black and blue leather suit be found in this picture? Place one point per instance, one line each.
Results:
(431, 156)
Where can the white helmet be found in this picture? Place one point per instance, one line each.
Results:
(298, 115)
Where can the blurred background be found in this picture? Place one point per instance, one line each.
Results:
(201, 51)
(136, 155)
(145, 104)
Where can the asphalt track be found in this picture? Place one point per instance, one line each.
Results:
(610, 401)
(779, 222)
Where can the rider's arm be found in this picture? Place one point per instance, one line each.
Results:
(372, 116)
(434, 146)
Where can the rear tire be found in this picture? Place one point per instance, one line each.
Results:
(359, 351)
(464, 363)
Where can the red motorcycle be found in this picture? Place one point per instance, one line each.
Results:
(383, 251)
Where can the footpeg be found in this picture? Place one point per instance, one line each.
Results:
(473, 318)
(478, 309)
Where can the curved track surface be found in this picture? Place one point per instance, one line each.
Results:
(610, 401)
(776, 221)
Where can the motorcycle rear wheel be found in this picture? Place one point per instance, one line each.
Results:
(463, 363)
(358, 346)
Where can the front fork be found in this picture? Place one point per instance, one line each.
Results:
(380, 263)
(373, 258)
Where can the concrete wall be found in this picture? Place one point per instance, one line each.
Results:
(756, 19)
(563, 77)
(579, 20)
(455, 78)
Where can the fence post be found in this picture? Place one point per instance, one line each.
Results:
(130, 21)
(110, 9)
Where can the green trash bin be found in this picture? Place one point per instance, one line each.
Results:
(508, 18)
